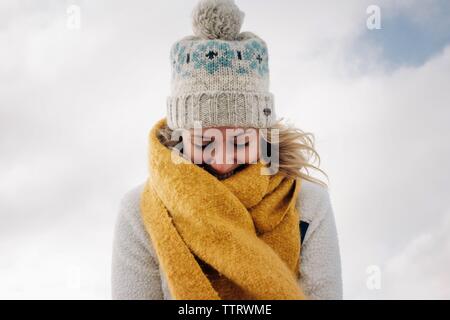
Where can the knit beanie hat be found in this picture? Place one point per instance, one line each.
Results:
(220, 76)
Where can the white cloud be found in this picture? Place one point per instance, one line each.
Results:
(420, 271)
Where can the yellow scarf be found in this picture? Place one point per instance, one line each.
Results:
(230, 239)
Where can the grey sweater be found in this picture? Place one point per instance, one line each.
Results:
(135, 268)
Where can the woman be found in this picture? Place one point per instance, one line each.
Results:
(229, 210)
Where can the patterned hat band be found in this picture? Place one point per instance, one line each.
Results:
(220, 76)
(217, 109)
(247, 56)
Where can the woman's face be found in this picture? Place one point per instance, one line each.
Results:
(221, 150)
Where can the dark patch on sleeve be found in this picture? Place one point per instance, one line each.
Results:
(303, 228)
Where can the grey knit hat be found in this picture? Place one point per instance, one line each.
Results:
(220, 76)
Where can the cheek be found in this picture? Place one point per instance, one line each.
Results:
(190, 153)
(250, 154)
(253, 152)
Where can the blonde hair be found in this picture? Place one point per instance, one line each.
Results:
(297, 154)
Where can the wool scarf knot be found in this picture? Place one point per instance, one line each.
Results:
(231, 239)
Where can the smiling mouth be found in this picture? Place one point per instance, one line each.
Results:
(224, 175)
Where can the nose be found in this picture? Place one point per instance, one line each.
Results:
(224, 165)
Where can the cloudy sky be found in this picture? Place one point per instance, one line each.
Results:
(77, 101)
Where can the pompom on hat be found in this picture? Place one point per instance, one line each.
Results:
(220, 76)
(217, 19)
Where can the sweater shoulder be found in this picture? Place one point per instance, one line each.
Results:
(130, 207)
(313, 201)
(130, 202)
(130, 223)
